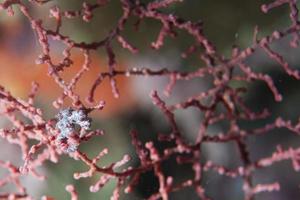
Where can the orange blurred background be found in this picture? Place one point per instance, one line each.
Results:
(18, 70)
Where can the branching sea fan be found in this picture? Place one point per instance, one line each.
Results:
(223, 115)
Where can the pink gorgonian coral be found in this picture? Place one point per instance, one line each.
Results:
(176, 159)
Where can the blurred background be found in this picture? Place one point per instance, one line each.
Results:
(225, 23)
